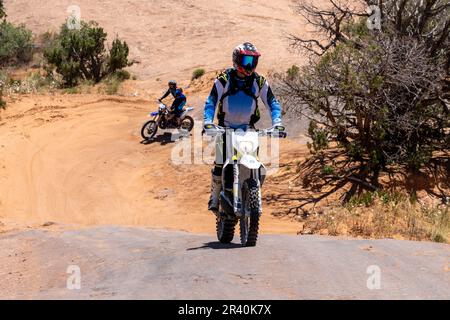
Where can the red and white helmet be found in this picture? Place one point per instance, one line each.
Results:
(245, 58)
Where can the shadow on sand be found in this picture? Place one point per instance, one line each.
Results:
(163, 139)
(217, 246)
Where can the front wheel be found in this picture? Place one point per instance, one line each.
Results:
(149, 130)
(249, 224)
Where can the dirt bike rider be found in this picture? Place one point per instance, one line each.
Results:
(178, 104)
(236, 93)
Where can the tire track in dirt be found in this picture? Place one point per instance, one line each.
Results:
(89, 168)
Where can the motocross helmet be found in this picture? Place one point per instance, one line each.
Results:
(245, 58)
(172, 84)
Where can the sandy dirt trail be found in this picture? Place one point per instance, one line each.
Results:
(79, 160)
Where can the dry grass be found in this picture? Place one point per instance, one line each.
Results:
(379, 216)
(406, 206)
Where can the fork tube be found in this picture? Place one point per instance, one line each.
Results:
(236, 205)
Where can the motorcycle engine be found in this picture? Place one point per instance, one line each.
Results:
(163, 124)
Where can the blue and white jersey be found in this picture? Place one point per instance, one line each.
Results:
(238, 107)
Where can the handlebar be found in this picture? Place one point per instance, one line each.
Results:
(277, 131)
(274, 132)
(213, 130)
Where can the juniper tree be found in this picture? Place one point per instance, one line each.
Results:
(81, 54)
(380, 95)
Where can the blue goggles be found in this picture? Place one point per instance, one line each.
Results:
(249, 62)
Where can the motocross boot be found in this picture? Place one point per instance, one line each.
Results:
(216, 188)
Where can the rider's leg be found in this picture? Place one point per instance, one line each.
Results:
(177, 108)
(173, 109)
(179, 111)
(216, 175)
(216, 188)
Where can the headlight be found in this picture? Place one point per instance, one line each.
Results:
(246, 147)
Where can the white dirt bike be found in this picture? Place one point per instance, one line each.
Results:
(242, 178)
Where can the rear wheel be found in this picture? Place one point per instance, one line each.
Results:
(249, 224)
(187, 124)
(225, 229)
(149, 130)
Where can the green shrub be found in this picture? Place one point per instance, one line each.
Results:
(365, 199)
(118, 57)
(293, 72)
(328, 170)
(36, 82)
(3, 79)
(391, 197)
(72, 90)
(2, 10)
(122, 75)
(15, 44)
(441, 224)
(80, 54)
(2, 102)
(319, 138)
(46, 40)
(112, 84)
(198, 73)
(440, 238)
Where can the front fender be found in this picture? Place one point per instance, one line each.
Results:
(250, 162)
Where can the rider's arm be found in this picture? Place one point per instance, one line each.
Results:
(271, 103)
(165, 95)
(178, 94)
(211, 102)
